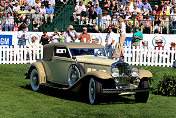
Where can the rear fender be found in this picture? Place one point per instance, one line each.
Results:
(40, 69)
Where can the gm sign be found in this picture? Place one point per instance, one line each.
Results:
(6, 40)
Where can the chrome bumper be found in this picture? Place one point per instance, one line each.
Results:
(125, 90)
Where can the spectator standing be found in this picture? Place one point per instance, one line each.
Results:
(22, 36)
(173, 46)
(137, 37)
(146, 7)
(55, 37)
(71, 34)
(9, 22)
(94, 2)
(16, 7)
(157, 24)
(19, 21)
(106, 20)
(110, 39)
(27, 22)
(49, 13)
(148, 25)
(2, 22)
(165, 25)
(159, 44)
(92, 16)
(37, 19)
(84, 37)
(122, 35)
(45, 39)
(62, 38)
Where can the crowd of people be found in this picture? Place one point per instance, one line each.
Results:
(134, 12)
(15, 14)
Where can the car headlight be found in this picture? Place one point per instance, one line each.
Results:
(134, 72)
(115, 72)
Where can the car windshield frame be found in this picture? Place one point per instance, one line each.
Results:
(102, 50)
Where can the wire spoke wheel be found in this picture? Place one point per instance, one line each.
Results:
(94, 91)
(34, 78)
(73, 75)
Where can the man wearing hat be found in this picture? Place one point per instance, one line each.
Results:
(159, 44)
(84, 37)
(71, 34)
(37, 19)
(55, 36)
(137, 37)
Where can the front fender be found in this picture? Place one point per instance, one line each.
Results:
(40, 69)
(144, 74)
(84, 79)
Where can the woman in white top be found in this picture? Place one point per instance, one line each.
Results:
(122, 35)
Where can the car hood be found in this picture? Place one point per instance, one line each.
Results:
(99, 60)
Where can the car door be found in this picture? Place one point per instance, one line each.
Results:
(61, 62)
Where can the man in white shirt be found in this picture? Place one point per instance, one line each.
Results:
(71, 34)
(22, 36)
(110, 38)
(16, 7)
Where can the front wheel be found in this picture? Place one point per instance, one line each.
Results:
(142, 96)
(94, 91)
(34, 78)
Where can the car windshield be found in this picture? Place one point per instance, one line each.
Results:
(87, 51)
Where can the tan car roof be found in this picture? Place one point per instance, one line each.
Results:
(48, 48)
(75, 45)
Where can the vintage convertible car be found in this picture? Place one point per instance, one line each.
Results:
(84, 67)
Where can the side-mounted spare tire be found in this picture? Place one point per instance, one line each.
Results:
(75, 71)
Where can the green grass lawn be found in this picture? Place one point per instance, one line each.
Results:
(18, 100)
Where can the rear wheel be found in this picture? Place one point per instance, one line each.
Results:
(94, 91)
(142, 96)
(34, 79)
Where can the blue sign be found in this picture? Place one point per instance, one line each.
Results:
(128, 42)
(6, 40)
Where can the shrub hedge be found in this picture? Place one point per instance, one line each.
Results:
(163, 81)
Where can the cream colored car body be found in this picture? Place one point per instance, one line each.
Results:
(54, 69)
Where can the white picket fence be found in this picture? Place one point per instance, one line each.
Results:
(150, 56)
(133, 56)
(20, 54)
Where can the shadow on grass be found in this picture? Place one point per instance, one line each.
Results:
(68, 95)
